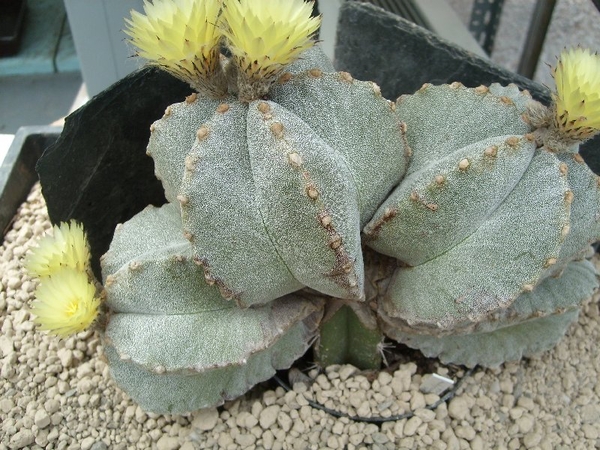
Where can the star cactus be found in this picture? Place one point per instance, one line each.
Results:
(304, 209)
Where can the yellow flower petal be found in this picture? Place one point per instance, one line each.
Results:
(265, 36)
(577, 99)
(67, 246)
(181, 37)
(65, 303)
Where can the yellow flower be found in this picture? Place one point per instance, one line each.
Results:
(577, 99)
(181, 37)
(266, 35)
(66, 247)
(65, 303)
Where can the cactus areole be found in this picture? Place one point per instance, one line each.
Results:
(306, 209)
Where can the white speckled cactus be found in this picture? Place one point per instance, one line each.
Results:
(486, 222)
(302, 175)
(267, 195)
(477, 230)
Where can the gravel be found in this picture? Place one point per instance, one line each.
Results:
(57, 394)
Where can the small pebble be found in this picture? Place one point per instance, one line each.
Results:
(411, 425)
(21, 439)
(6, 405)
(41, 419)
(268, 416)
(205, 419)
(87, 443)
(458, 408)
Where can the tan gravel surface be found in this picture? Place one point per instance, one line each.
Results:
(57, 394)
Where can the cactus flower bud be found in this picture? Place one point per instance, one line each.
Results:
(577, 99)
(265, 36)
(67, 247)
(180, 36)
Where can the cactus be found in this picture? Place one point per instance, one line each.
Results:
(270, 155)
(349, 334)
(303, 169)
(462, 203)
(304, 208)
(170, 330)
(476, 226)
(487, 222)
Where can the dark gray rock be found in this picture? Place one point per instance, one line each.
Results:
(98, 172)
(373, 44)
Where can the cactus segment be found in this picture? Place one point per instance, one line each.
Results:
(222, 218)
(356, 121)
(492, 349)
(554, 295)
(147, 255)
(168, 323)
(344, 339)
(173, 136)
(179, 393)
(307, 201)
(437, 207)
(144, 238)
(441, 119)
(584, 225)
(535, 322)
(505, 256)
(511, 93)
(203, 339)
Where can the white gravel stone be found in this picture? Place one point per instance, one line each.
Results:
(465, 432)
(167, 443)
(410, 428)
(244, 440)
(356, 399)
(268, 416)
(284, 421)
(206, 419)
(590, 431)
(417, 401)
(51, 406)
(87, 443)
(41, 419)
(590, 413)
(384, 378)
(426, 415)
(21, 439)
(458, 408)
(6, 405)
(6, 346)
(531, 440)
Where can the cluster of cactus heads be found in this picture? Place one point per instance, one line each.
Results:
(307, 210)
